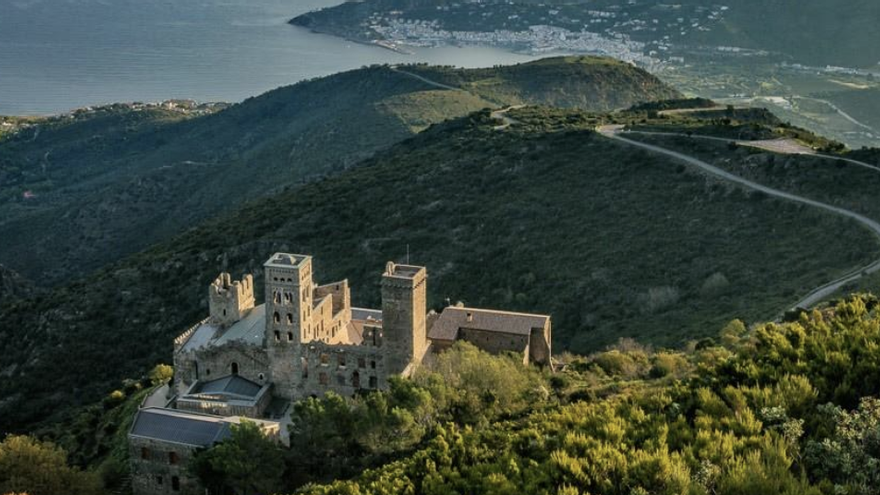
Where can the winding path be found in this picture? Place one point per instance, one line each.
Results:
(817, 294)
(781, 145)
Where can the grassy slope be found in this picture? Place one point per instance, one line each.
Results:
(549, 217)
(113, 184)
(595, 83)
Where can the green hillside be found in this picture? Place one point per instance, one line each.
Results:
(781, 409)
(76, 193)
(545, 216)
(778, 408)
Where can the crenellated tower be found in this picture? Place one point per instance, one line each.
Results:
(228, 300)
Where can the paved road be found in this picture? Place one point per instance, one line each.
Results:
(817, 294)
(786, 146)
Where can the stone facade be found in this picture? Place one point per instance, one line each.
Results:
(159, 467)
(306, 340)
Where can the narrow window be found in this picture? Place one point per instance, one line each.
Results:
(276, 317)
(172, 458)
(290, 336)
(159, 480)
(356, 380)
(196, 369)
(277, 297)
(289, 319)
(208, 372)
(175, 483)
(373, 364)
(234, 368)
(277, 336)
(305, 368)
(362, 363)
(261, 377)
(374, 382)
(145, 453)
(340, 360)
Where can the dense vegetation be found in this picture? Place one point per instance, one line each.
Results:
(81, 191)
(547, 216)
(783, 408)
(596, 83)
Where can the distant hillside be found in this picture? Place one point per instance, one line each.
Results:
(545, 216)
(814, 32)
(13, 285)
(77, 193)
(819, 32)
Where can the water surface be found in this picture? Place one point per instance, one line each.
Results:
(56, 55)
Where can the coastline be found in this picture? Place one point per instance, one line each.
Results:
(381, 43)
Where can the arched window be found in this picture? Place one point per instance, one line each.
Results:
(289, 319)
(175, 483)
(276, 317)
(290, 336)
(261, 377)
(277, 297)
(234, 368)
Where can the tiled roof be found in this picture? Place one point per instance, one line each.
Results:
(230, 385)
(453, 318)
(169, 425)
(366, 314)
(248, 330)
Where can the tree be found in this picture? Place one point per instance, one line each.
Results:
(40, 468)
(162, 373)
(248, 463)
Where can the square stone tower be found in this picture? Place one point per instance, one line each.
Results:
(289, 291)
(404, 310)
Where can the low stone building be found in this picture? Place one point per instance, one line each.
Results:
(494, 331)
(248, 360)
(162, 441)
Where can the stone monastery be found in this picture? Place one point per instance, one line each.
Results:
(305, 340)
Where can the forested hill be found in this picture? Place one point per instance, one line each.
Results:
(77, 193)
(545, 215)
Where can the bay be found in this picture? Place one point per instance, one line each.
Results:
(57, 55)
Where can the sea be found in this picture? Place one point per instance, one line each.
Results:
(59, 55)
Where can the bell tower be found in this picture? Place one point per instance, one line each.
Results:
(289, 292)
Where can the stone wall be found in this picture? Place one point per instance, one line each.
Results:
(158, 467)
(343, 369)
(497, 342)
(539, 346)
(216, 362)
